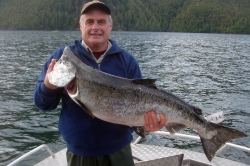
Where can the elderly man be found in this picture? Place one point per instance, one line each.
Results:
(91, 141)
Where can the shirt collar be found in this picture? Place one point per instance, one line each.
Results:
(90, 51)
(87, 47)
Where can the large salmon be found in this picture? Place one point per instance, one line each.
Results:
(125, 101)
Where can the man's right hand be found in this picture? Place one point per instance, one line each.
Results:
(46, 80)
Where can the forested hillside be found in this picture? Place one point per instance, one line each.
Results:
(216, 16)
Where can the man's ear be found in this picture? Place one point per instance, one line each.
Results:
(79, 24)
(111, 26)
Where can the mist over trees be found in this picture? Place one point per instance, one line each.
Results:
(210, 16)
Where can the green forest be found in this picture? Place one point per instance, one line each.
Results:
(205, 16)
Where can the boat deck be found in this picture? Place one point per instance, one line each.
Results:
(148, 155)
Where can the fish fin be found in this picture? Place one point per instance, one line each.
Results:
(84, 107)
(223, 135)
(147, 82)
(174, 127)
(139, 130)
(197, 110)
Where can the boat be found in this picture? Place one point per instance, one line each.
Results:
(148, 155)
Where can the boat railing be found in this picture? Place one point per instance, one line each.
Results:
(245, 149)
(41, 147)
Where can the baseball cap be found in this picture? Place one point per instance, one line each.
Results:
(95, 4)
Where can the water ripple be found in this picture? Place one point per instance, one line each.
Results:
(210, 71)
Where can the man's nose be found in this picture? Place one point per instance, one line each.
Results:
(95, 26)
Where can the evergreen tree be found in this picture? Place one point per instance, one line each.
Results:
(216, 16)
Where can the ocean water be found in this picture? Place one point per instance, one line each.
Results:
(210, 71)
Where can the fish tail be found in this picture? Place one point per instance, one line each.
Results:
(222, 136)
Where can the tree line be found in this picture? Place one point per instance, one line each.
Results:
(210, 16)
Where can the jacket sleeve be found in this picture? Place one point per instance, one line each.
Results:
(44, 98)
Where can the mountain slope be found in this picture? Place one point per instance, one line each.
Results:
(220, 16)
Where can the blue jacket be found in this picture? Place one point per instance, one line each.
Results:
(84, 135)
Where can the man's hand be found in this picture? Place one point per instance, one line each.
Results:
(152, 123)
(46, 80)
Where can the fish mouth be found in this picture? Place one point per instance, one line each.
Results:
(72, 87)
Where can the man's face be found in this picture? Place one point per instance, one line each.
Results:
(96, 26)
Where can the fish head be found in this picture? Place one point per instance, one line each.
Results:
(63, 73)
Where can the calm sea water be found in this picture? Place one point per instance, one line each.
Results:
(210, 71)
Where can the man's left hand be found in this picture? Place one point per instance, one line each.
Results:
(152, 123)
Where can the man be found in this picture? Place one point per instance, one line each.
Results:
(91, 141)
